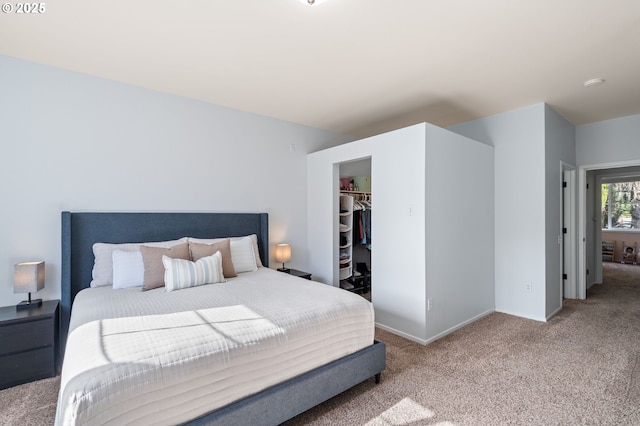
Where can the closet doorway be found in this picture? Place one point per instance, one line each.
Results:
(355, 240)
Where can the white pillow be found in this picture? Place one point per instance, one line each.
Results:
(242, 255)
(254, 240)
(128, 269)
(181, 273)
(102, 273)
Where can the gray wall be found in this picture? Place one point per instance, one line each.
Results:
(530, 146)
(520, 164)
(560, 148)
(77, 142)
(459, 231)
(609, 141)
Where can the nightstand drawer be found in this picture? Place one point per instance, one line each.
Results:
(25, 367)
(27, 335)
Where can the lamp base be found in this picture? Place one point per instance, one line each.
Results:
(25, 304)
(284, 270)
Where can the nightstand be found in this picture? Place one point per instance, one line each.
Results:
(296, 273)
(28, 343)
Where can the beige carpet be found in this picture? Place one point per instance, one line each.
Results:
(32, 404)
(580, 368)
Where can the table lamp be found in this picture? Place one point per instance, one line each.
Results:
(28, 277)
(283, 255)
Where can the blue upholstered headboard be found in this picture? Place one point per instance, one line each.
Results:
(81, 230)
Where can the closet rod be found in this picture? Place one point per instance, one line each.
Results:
(355, 192)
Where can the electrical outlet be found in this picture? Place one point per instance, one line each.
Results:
(527, 287)
(429, 304)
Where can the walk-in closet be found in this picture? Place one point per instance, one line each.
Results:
(432, 192)
(355, 230)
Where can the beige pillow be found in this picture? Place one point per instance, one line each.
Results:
(153, 267)
(254, 240)
(199, 251)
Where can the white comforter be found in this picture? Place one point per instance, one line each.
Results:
(161, 357)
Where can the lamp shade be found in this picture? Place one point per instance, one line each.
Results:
(283, 253)
(28, 277)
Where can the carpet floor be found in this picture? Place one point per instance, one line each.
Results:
(582, 367)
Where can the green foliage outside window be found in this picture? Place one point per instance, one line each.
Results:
(621, 205)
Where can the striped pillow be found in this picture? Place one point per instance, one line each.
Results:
(181, 273)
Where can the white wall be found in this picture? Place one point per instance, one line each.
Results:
(420, 251)
(75, 142)
(398, 248)
(520, 184)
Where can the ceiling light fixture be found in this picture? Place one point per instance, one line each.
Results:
(593, 82)
(312, 2)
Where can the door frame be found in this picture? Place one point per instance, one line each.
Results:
(582, 220)
(568, 240)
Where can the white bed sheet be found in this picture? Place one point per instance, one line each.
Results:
(159, 357)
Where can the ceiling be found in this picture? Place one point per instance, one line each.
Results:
(358, 67)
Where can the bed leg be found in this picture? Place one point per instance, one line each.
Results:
(377, 376)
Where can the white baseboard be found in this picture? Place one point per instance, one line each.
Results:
(521, 315)
(437, 336)
(401, 334)
(554, 313)
(459, 326)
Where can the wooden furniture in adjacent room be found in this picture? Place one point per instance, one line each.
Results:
(28, 343)
(608, 250)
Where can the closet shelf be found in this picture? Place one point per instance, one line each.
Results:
(345, 273)
(355, 192)
(345, 244)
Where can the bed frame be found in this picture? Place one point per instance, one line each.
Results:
(80, 230)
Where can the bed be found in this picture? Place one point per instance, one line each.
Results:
(272, 388)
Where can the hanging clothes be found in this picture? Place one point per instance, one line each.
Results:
(362, 221)
(363, 227)
(367, 229)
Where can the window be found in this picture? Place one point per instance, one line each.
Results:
(621, 205)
